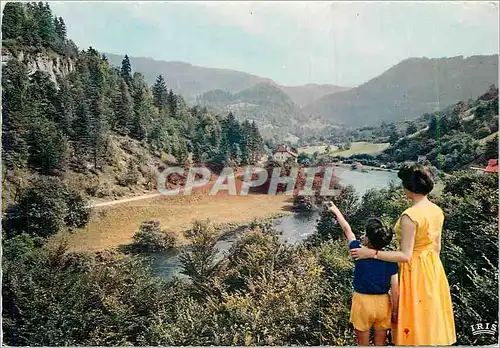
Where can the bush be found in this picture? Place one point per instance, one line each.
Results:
(150, 238)
(45, 207)
(53, 298)
(327, 227)
(131, 176)
(470, 251)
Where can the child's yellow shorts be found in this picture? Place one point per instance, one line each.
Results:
(370, 311)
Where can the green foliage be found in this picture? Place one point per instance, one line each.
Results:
(262, 292)
(327, 227)
(13, 16)
(452, 140)
(126, 71)
(160, 93)
(470, 250)
(51, 297)
(491, 148)
(150, 238)
(199, 261)
(304, 159)
(131, 176)
(52, 130)
(48, 148)
(45, 208)
(33, 25)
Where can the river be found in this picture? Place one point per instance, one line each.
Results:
(294, 228)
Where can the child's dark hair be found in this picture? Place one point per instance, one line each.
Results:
(416, 178)
(378, 234)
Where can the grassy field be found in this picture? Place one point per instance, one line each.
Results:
(312, 149)
(356, 149)
(113, 226)
(362, 148)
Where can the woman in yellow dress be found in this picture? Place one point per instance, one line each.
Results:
(425, 314)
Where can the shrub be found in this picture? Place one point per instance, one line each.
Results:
(45, 207)
(53, 298)
(131, 176)
(327, 227)
(150, 238)
(470, 251)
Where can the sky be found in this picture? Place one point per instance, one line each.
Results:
(293, 43)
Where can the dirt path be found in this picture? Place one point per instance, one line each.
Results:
(125, 200)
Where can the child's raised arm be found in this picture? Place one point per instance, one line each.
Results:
(342, 221)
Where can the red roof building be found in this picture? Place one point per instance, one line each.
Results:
(284, 148)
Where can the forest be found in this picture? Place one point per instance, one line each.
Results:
(54, 126)
(52, 129)
(262, 292)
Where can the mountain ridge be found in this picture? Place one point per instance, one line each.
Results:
(409, 89)
(192, 80)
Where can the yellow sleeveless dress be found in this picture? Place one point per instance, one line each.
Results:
(425, 308)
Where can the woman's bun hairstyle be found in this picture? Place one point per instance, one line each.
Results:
(416, 178)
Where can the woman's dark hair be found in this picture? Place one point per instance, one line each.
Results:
(416, 178)
(378, 234)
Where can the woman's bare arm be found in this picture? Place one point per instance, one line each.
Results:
(438, 244)
(408, 229)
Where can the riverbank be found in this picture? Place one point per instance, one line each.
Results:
(365, 167)
(114, 226)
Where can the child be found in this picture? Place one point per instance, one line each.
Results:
(371, 306)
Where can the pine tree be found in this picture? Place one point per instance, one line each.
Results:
(65, 112)
(12, 20)
(491, 148)
(46, 28)
(48, 147)
(182, 154)
(160, 93)
(245, 141)
(82, 124)
(30, 29)
(60, 28)
(15, 114)
(123, 109)
(256, 143)
(98, 132)
(126, 71)
(143, 105)
(172, 103)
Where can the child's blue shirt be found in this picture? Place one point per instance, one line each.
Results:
(372, 276)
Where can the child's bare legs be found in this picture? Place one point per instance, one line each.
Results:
(380, 338)
(363, 337)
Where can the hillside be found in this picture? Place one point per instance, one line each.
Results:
(190, 80)
(307, 94)
(264, 103)
(70, 117)
(411, 88)
(462, 135)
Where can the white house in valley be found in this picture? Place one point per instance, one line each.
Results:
(283, 153)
